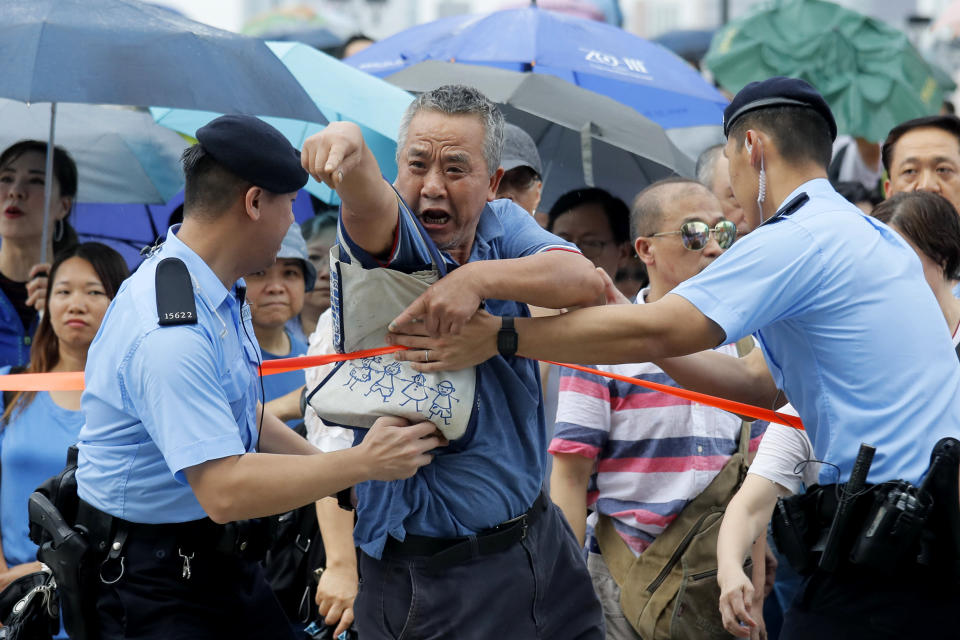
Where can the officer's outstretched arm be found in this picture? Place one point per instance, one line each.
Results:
(745, 379)
(254, 485)
(613, 334)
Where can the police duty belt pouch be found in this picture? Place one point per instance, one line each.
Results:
(357, 392)
(670, 591)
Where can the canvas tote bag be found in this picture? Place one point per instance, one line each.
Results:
(357, 392)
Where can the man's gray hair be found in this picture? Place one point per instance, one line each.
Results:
(707, 165)
(458, 99)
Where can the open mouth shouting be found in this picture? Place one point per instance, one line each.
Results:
(434, 219)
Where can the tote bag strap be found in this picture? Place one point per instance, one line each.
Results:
(435, 258)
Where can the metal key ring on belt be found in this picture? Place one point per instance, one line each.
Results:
(115, 580)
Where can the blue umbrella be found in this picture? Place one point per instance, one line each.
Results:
(133, 53)
(590, 54)
(340, 92)
(130, 227)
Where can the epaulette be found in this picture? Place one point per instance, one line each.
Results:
(175, 300)
(788, 209)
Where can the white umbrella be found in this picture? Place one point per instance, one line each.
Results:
(122, 155)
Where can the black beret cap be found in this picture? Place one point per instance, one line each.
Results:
(777, 92)
(254, 151)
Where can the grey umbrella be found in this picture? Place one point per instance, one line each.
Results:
(584, 138)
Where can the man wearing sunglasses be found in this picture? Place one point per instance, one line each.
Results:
(848, 330)
(678, 229)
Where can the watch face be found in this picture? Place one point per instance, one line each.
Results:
(507, 343)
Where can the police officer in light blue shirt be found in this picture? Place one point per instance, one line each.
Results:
(848, 331)
(175, 443)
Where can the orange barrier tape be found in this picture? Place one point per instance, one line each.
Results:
(73, 381)
(720, 403)
(283, 365)
(56, 381)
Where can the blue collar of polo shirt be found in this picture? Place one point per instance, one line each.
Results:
(202, 274)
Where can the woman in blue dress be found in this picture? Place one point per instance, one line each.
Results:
(36, 428)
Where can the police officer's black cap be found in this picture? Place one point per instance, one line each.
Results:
(255, 151)
(777, 92)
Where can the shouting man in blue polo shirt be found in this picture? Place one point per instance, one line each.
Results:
(441, 557)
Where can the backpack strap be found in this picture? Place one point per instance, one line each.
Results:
(744, 346)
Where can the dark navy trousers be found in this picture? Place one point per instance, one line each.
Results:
(226, 597)
(862, 605)
(537, 589)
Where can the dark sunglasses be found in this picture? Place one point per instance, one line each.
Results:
(696, 234)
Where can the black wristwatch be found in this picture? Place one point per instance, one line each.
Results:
(507, 338)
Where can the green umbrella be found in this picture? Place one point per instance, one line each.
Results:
(868, 71)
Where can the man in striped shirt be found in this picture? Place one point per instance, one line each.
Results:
(636, 455)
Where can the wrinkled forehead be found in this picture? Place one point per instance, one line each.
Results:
(435, 130)
(926, 144)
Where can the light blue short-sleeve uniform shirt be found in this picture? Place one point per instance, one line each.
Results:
(494, 472)
(161, 399)
(849, 328)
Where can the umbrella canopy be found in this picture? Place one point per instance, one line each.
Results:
(583, 138)
(298, 23)
(593, 55)
(130, 227)
(132, 53)
(868, 72)
(121, 155)
(340, 92)
(689, 44)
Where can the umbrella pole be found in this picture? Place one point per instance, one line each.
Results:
(586, 153)
(48, 183)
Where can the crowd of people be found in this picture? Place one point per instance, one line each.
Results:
(461, 489)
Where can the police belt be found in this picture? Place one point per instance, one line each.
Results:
(446, 552)
(801, 523)
(248, 539)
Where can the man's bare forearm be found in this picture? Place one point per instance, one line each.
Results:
(336, 528)
(618, 333)
(277, 437)
(744, 379)
(568, 490)
(255, 485)
(552, 279)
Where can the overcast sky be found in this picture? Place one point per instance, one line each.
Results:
(225, 14)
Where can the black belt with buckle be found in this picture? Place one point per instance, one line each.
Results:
(446, 552)
(247, 539)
